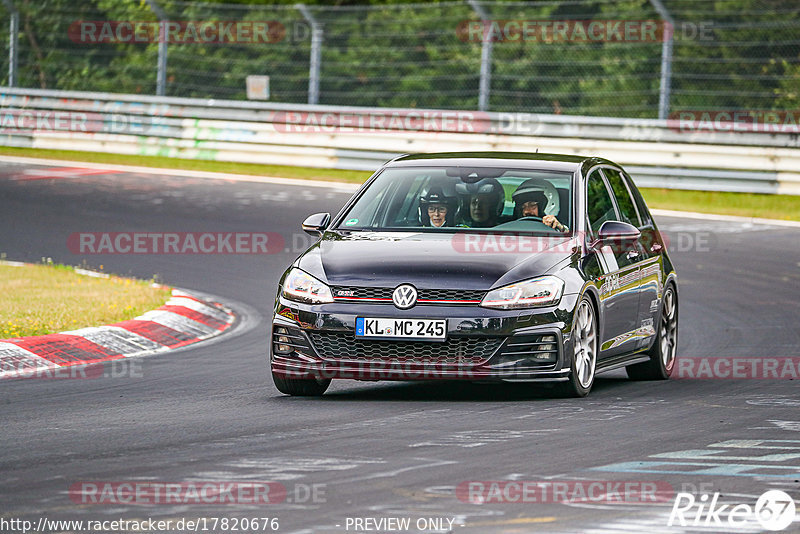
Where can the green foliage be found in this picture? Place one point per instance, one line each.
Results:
(728, 54)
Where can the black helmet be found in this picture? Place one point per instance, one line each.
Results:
(535, 190)
(435, 195)
(483, 187)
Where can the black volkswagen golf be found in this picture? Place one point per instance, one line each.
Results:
(480, 266)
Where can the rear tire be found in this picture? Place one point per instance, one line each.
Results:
(664, 350)
(584, 351)
(300, 387)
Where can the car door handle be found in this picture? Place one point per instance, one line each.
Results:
(632, 254)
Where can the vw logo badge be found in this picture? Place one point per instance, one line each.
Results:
(404, 296)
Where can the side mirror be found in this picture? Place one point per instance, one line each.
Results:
(316, 224)
(616, 233)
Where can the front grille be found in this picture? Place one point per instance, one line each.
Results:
(449, 294)
(385, 293)
(363, 292)
(454, 351)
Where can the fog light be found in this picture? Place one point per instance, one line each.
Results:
(545, 357)
(548, 339)
(281, 346)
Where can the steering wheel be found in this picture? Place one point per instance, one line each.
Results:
(531, 218)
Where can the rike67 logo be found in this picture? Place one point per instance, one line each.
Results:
(773, 511)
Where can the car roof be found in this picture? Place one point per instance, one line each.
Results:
(541, 161)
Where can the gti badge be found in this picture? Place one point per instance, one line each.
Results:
(404, 296)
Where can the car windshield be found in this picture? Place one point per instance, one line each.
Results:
(454, 199)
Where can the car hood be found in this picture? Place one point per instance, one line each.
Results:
(432, 260)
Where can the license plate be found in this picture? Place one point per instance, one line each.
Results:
(429, 329)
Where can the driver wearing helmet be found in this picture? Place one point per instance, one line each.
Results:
(485, 200)
(436, 209)
(530, 201)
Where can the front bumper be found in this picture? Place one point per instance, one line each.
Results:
(482, 344)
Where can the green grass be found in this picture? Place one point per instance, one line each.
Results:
(255, 169)
(785, 207)
(46, 299)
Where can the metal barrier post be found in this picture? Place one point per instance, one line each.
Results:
(12, 43)
(666, 59)
(486, 57)
(316, 51)
(161, 77)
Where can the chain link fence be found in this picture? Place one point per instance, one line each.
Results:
(616, 58)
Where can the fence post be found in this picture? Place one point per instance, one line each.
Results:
(666, 59)
(161, 76)
(12, 43)
(316, 52)
(486, 57)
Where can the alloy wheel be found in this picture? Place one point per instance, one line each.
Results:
(585, 341)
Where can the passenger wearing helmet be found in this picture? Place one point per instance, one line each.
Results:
(530, 200)
(485, 200)
(436, 209)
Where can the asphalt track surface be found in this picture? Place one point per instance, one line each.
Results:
(211, 412)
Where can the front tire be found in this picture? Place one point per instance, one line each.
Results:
(584, 351)
(300, 387)
(664, 350)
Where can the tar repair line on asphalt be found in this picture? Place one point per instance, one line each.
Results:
(728, 218)
(343, 186)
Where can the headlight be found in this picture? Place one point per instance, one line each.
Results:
(303, 287)
(542, 291)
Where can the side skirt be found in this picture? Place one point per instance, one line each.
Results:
(620, 361)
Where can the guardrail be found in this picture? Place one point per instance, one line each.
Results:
(656, 152)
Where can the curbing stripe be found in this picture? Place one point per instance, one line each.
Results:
(65, 349)
(199, 306)
(163, 335)
(184, 320)
(118, 339)
(16, 361)
(195, 316)
(179, 323)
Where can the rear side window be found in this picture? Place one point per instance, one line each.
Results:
(644, 213)
(599, 206)
(627, 210)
